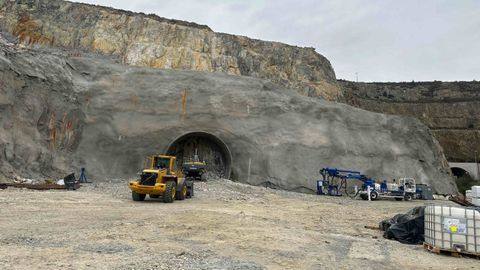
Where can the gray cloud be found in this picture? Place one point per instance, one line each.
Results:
(382, 40)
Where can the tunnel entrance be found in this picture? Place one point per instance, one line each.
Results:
(463, 179)
(459, 172)
(207, 147)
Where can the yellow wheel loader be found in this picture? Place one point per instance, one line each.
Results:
(161, 178)
(194, 169)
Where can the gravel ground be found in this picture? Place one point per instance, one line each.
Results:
(226, 225)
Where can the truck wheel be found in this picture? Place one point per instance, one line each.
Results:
(182, 193)
(170, 191)
(407, 197)
(137, 196)
(373, 195)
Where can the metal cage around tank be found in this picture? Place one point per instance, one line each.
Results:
(453, 228)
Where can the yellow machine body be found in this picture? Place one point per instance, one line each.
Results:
(159, 176)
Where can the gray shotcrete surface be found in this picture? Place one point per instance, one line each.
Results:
(59, 113)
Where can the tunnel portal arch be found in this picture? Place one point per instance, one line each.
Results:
(459, 172)
(463, 178)
(460, 169)
(209, 148)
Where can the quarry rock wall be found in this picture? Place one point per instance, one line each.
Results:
(59, 113)
(76, 101)
(450, 109)
(152, 41)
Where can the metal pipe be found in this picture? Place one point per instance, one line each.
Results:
(478, 168)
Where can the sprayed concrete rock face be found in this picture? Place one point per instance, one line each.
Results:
(62, 113)
(151, 41)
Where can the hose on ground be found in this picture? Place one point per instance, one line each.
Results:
(344, 184)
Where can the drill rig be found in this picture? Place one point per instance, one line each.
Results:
(334, 183)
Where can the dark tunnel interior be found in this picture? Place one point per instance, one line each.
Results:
(207, 147)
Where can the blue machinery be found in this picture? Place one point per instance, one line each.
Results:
(334, 183)
(334, 180)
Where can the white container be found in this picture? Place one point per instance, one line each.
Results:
(468, 195)
(453, 227)
(392, 187)
(476, 201)
(476, 192)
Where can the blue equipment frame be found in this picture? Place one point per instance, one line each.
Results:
(334, 180)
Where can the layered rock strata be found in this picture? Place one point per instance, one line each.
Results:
(151, 41)
(450, 109)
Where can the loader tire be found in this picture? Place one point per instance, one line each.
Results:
(190, 189)
(182, 193)
(170, 192)
(137, 196)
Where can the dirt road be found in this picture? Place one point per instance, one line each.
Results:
(226, 226)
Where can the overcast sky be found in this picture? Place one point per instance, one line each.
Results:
(382, 40)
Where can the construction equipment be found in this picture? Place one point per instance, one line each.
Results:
(424, 192)
(405, 190)
(70, 182)
(194, 169)
(161, 177)
(334, 181)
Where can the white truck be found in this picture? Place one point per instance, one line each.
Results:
(404, 190)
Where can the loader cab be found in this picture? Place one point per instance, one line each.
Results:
(165, 165)
(160, 162)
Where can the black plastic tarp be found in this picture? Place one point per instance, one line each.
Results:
(406, 228)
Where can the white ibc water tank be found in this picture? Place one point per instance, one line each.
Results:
(476, 192)
(476, 201)
(453, 227)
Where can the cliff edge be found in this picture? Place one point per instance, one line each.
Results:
(151, 41)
